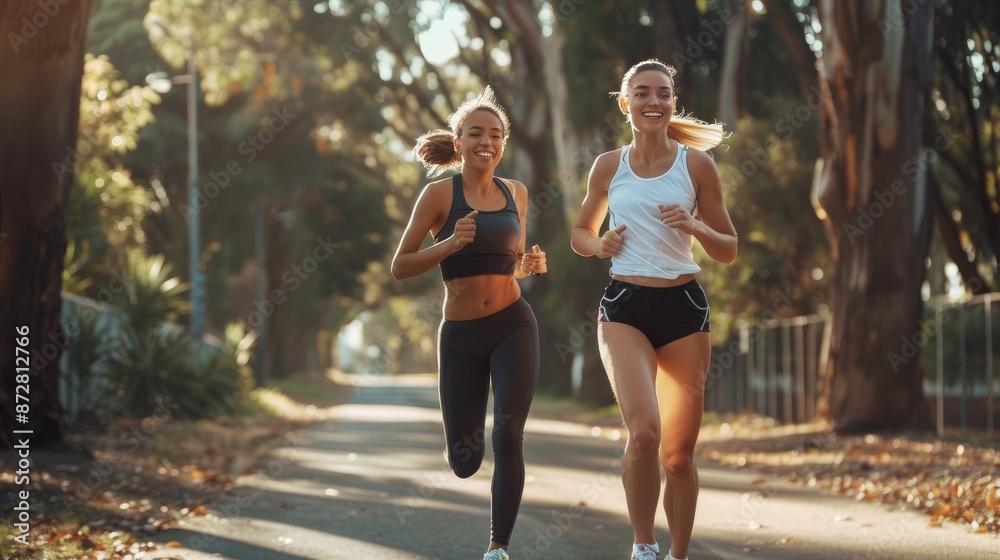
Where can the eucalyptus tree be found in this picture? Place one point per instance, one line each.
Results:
(41, 57)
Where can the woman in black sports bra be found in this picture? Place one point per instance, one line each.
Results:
(489, 331)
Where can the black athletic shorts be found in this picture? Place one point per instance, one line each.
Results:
(662, 314)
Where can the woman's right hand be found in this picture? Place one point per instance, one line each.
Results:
(465, 231)
(611, 242)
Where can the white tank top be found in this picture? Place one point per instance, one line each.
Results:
(651, 248)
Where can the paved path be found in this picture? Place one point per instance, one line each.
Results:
(373, 484)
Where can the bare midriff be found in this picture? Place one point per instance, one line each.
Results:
(478, 296)
(655, 282)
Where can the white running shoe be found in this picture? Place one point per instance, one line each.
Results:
(645, 552)
(496, 554)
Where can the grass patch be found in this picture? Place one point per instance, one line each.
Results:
(559, 407)
(293, 398)
(321, 392)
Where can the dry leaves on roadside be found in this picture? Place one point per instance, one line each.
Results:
(138, 482)
(948, 481)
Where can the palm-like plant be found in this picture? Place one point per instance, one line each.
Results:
(147, 370)
(152, 295)
(165, 371)
(87, 325)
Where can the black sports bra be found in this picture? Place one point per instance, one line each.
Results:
(498, 236)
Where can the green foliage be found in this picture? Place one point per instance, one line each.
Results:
(257, 61)
(240, 344)
(570, 304)
(135, 359)
(235, 34)
(87, 326)
(360, 88)
(149, 371)
(73, 281)
(166, 370)
(783, 250)
(633, 31)
(966, 118)
(116, 26)
(107, 208)
(152, 294)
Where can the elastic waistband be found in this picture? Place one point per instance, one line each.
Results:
(489, 323)
(663, 290)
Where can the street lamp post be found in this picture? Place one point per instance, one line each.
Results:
(194, 216)
(261, 373)
(162, 84)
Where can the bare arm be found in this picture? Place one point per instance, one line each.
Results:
(533, 262)
(586, 239)
(715, 231)
(520, 193)
(409, 260)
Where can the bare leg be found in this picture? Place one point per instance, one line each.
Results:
(630, 363)
(683, 369)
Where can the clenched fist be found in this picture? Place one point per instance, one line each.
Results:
(611, 242)
(677, 217)
(465, 231)
(534, 262)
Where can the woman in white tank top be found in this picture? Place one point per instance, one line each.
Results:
(654, 316)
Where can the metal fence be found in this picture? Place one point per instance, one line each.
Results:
(773, 367)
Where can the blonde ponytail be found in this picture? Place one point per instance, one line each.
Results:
(695, 133)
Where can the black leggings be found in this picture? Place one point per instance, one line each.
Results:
(503, 346)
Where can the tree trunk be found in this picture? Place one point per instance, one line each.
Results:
(298, 353)
(532, 147)
(42, 61)
(874, 195)
(567, 175)
(675, 31)
(734, 64)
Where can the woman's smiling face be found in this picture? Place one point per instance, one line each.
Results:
(481, 144)
(650, 101)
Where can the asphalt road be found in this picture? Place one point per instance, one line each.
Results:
(372, 483)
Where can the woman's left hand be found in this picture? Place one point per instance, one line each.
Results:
(676, 216)
(534, 262)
